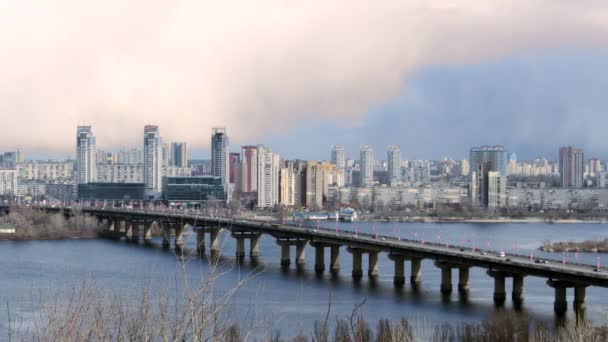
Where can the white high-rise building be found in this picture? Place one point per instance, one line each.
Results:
(249, 169)
(337, 158)
(8, 182)
(268, 177)
(367, 166)
(394, 164)
(179, 154)
(86, 160)
(219, 153)
(153, 161)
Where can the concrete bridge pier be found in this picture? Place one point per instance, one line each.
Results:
(240, 247)
(463, 280)
(148, 231)
(517, 295)
(254, 246)
(319, 258)
(115, 227)
(446, 278)
(214, 241)
(128, 230)
(399, 274)
(166, 235)
(560, 305)
(285, 257)
(357, 262)
(416, 275)
(373, 264)
(300, 256)
(135, 232)
(179, 237)
(579, 298)
(334, 263)
(499, 287)
(200, 241)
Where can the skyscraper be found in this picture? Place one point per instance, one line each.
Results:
(179, 154)
(394, 164)
(234, 167)
(268, 177)
(337, 156)
(367, 166)
(571, 167)
(86, 159)
(488, 176)
(249, 169)
(494, 156)
(153, 161)
(219, 153)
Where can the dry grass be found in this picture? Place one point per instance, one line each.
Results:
(32, 224)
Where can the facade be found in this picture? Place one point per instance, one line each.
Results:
(153, 162)
(497, 190)
(193, 189)
(571, 167)
(179, 154)
(234, 168)
(8, 182)
(46, 171)
(174, 171)
(249, 169)
(287, 187)
(337, 156)
(34, 190)
(120, 173)
(494, 156)
(367, 165)
(11, 160)
(314, 185)
(268, 177)
(132, 156)
(111, 191)
(62, 192)
(219, 153)
(394, 164)
(419, 172)
(86, 155)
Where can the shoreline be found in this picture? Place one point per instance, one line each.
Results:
(14, 238)
(420, 219)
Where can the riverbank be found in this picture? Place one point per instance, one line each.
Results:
(588, 246)
(426, 219)
(23, 224)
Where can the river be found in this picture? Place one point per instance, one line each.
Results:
(32, 270)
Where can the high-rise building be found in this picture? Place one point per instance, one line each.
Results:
(86, 159)
(219, 153)
(314, 185)
(394, 164)
(8, 182)
(494, 156)
(367, 166)
(235, 168)
(153, 162)
(249, 169)
(287, 187)
(571, 161)
(268, 177)
(337, 156)
(465, 168)
(595, 167)
(179, 154)
(497, 190)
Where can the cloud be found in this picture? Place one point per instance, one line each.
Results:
(257, 67)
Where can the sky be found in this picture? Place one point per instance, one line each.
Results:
(435, 77)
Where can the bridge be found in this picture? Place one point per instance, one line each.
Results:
(134, 224)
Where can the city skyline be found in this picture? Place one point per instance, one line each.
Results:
(423, 95)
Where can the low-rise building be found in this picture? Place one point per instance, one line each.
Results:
(193, 189)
